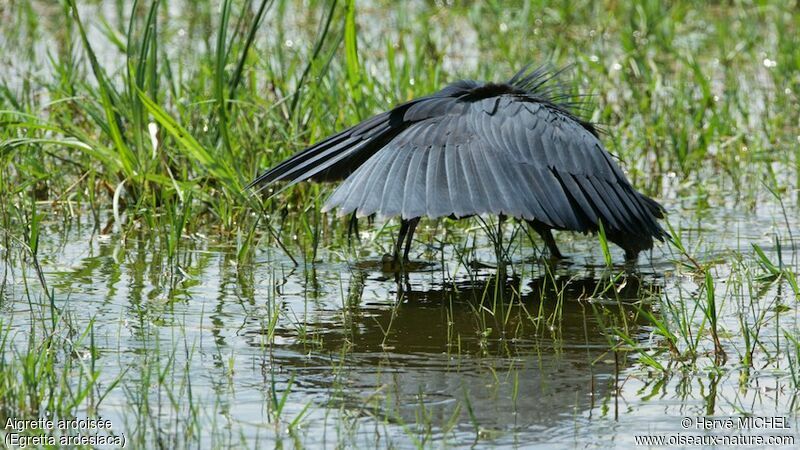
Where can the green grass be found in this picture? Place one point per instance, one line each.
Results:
(155, 126)
(144, 120)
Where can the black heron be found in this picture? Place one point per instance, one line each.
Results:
(514, 149)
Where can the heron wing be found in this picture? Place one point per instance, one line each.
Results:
(503, 154)
(441, 166)
(340, 155)
(575, 167)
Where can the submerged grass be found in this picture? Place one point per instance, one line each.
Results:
(144, 120)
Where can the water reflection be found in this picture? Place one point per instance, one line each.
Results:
(520, 354)
(526, 361)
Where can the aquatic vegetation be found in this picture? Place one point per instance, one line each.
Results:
(141, 283)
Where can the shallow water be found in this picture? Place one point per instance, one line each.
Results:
(437, 358)
(213, 352)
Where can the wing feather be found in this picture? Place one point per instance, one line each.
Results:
(354, 188)
(391, 203)
(325, 154)
(549, 215)
(442, 201)
(479, 191)
(458, 189)
(414, 190)
(533, 207)
(497, 178)
(603, 210)
(577, 194)
(476, 149)
(613, 203)
(374, 189)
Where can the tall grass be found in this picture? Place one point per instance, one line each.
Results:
(204, 112)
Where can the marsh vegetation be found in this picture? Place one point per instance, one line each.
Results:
(142, 284)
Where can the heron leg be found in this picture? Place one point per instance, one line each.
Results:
(412, 226)
(499, 244)
(352, 228)
(406, 234)
(400, 237)
(547, 236)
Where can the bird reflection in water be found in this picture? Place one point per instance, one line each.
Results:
(519, 354)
